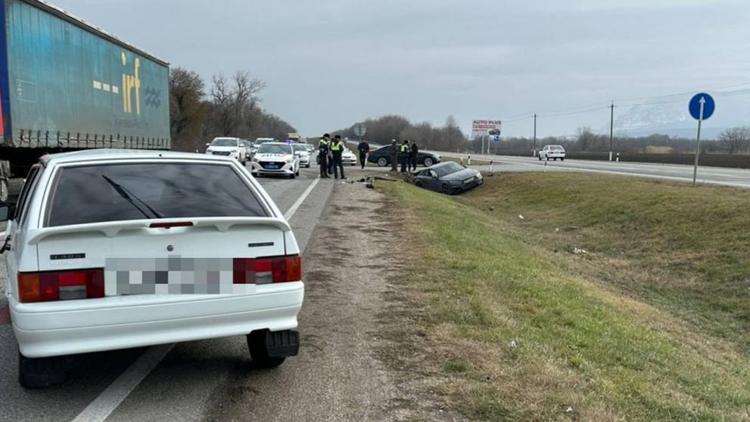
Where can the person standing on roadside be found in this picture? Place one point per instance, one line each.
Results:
(404, 156)
(323, 148)
(394, 156)
(413, 154)
(364, 149)
(337, 148)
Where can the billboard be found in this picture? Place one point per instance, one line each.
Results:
(485, 127)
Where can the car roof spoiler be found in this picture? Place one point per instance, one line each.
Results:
(112, 228)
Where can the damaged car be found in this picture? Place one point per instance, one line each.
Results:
(449, 178)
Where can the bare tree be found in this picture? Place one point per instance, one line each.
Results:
(187, 113)
(735, 140)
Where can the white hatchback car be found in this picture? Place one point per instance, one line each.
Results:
(112, 249)
(552, 152)
(275, 158)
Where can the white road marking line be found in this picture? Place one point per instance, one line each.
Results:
(99, 409)
(109, 399)
(644, 175)
(301, 199)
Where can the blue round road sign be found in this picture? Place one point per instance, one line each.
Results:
(708, 106)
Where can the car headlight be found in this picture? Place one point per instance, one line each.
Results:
(255, 159)
(289, 160)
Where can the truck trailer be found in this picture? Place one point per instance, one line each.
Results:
(67, 85)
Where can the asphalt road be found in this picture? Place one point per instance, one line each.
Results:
(680, 173)
(183, 382)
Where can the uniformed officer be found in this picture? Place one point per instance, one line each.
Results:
(404, 156)
(337, 149)
(394, 156)
(323, 149)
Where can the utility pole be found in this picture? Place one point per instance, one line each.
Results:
(611, 128)
(533, 148)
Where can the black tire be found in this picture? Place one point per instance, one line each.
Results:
(42, 372)
(554, 159)
(259, 353)
(540, 158)
(562, 158)
(445, 189)
(428, 161)
(382, 162)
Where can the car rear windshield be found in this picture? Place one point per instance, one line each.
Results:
(556, 148)
(224, 142)
(98, 193)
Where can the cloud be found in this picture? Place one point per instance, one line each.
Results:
(328, 63)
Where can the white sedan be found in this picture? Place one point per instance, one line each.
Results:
(300, 150)
(275, 158)
(552, 152)
(348, 158)
(118, 249)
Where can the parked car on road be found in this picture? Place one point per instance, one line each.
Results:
(382, 157)
(275, 158)
(114, 249)
(449, 177)
(348, 158)
(552, 152)
(227, 147)
(300, 150)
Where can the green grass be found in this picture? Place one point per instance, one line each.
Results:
(540, 334)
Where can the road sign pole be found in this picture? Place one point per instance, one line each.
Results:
(611, 129)
(698, 141)
(533, 148)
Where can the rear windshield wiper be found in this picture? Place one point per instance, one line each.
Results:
(129, 196)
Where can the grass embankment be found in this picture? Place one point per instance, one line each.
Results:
(651, 323)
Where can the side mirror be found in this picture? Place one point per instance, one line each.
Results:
(208, 144)
(6, 211)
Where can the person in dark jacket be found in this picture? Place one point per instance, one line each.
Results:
(364, 149)
(323, 149)
(404, 156)
(394, 156)
(337, 149)
(413, 154)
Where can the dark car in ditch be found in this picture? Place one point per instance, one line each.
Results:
(382, 157)
(449, 177)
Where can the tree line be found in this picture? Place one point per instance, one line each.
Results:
(229, 106)
(730, 141)
(383, 130)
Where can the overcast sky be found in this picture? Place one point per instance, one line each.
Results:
(329, 63)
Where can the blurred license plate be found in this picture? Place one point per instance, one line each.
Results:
(273, 166)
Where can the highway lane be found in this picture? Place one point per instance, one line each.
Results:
(185, 383)
(675, 172)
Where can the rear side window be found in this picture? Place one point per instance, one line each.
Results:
(113, 192)
(26, 193)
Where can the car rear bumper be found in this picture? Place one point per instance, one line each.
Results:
(53, 329)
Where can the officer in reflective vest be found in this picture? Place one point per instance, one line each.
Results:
(404, 155)
(337, 149)
(323, 148)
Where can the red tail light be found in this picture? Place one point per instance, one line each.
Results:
(60, 285)
(266, 270)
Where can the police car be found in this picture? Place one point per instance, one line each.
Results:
(114, 249)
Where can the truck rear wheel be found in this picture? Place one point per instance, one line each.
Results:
(3, 190)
